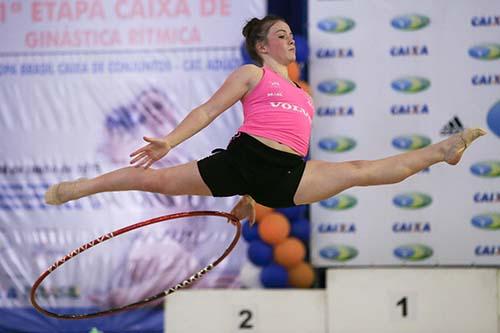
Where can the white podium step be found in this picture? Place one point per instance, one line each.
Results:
(412, 300)
(252, 311)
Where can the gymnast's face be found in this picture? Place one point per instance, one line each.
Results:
(280, 44)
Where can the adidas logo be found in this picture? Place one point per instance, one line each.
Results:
(452, 127)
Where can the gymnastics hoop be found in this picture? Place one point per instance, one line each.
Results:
(187, 282)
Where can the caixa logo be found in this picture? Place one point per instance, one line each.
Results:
(487, 51)
(336, 144)
(412, 200)
(413, 252)
(336, 24)
(336, 87)
(334, 228)
(410, 22)
(339, 252)
(411, 227)
(488, 221)
(339, 202)
(485, 80)
(487, 197)
(409, 50)
(410, 142)
(337, 53)
(487, 250)
(410, 84)
(409, 109)
(485, 21)
(486, 169)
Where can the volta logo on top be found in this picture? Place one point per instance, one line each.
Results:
(413, 252)
(410, 84)
(336, 87)
(489, 221)
(411, 142)
(410, 22)
(337, 144)
(338, 252)
(336, 24)
(412, 200)
(487, 51)
(486, 169)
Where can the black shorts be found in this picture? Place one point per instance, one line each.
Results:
(248, 166)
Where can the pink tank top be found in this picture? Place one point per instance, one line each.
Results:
(278, 110)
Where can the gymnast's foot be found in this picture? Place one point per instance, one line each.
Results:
(63, 192)
(454, 146)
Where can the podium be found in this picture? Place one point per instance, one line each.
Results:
(249, 311)
(413, 300)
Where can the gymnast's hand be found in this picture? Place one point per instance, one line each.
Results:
(150, 153)
(245, 208)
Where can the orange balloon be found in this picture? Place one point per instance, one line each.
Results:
(290, 252)
(294, 71)
(301, 275)
(305, 86)
(274, 228)
(261, 211)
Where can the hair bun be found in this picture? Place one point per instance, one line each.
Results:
(247, 29)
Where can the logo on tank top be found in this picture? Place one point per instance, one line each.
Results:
(275, 84)
(291, 107)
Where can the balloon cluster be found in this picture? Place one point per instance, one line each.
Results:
(277, 249)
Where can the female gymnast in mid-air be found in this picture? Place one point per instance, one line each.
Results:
(264, 161)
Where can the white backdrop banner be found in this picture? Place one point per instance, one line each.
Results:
(392, 76)
(81, 82)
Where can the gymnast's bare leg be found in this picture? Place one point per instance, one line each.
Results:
(183, 179)
(322, 179)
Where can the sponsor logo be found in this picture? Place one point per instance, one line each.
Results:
(413, 252)
(410, 142)
(291, 107)
(339, 202)
(336, 87)
(488, 221)
(274, 94)
(487, 250)
(337, 144)
(338, 252)
(411, 22)
(487, 51)
(334, 111)
(413, 200)
(412, 109)
(485, 80)
(493, 119)
(485, 21)
(488, 197)
(486, 169)
(337, 53)
(411, 227)
(344, 228)
(410, 84)
(336, 24)
(452, 127)
(409, 50)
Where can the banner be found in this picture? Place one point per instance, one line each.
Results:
(81, 82)
(393, 76)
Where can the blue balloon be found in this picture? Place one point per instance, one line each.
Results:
(301, 48)
(274, 276)
(249, 232)
(244, 54)
(260, 253)
(301, 229)
(493, 119)
(293, 213)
